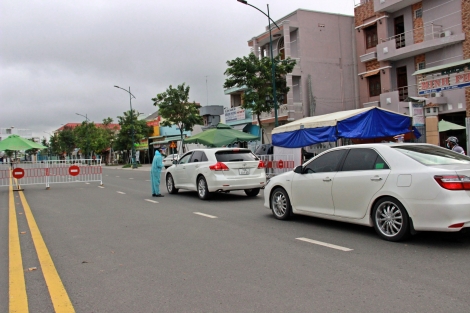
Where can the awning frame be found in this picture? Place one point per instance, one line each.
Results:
(441, 67)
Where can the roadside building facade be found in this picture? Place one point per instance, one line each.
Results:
(323, 80)
(414, 58)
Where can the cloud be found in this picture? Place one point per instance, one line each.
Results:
(58, 58)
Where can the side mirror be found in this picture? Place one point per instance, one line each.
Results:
(298, 169)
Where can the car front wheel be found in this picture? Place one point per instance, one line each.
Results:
(391, 221)
(280, 204)
(252, 192)
(170, 184)
(202, 190)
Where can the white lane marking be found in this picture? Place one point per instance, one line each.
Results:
(153, 201)
(100, 187)
(206, 215)
(117, 176)
(148, 180)
(329, 245)
(122, 193)
(131, 178)
(87, 183)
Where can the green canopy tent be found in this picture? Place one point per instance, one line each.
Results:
(17, 143)
(445, 126)
(220, 136)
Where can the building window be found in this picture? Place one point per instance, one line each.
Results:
(374, 85)
(419, 13)
(371, 36)
(421, 66)
(282, 50)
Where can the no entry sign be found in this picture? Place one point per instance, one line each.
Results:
(18, 173)
(280, 164)
(74, 170)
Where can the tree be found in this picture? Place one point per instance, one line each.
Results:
(175, 109)
(66, 141)
(129, 124)
(255, 74)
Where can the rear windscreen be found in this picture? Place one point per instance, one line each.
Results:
(235, 156)
(433, 155)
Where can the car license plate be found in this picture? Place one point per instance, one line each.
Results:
(243, 171)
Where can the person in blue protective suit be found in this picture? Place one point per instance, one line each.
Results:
(155, 173)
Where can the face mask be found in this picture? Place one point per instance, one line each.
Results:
(448, 145)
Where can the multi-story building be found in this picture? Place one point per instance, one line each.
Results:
(409, 50)
(25, 133)
(323, 80)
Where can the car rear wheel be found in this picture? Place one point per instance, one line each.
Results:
(202, 190)
(252, 192)
(280, 204)
(391, 221)
(170, 184)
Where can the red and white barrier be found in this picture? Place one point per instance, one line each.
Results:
(51, 172)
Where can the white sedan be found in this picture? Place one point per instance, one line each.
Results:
(168, 160)
(396, 188)
(217, 170)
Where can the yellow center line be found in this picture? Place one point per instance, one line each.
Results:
(17, 286)
(59, 296)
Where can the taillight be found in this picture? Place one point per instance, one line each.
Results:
(219, 166)
(261, 164)
(453, 182)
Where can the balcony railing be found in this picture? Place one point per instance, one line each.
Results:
(428, 32)
(281, 111)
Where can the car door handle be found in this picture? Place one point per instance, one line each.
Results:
(376, 178)
(326, 179)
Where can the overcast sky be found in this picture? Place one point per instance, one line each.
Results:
(61, 57)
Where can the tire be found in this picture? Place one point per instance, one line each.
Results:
(391, 221)
(252, 192)
(280, 204)
(202, 190)
(170, 184)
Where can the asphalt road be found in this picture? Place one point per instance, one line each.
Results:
(115, 251)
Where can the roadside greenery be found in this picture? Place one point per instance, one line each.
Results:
(129, 124)
(255, 74)
(175, 109)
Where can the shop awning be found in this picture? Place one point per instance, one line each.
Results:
(371, 73)
(441, 67)
(239, 127)
(166, 140)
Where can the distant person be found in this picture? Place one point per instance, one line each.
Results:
(452, 143)
(399, 138)
(155, 173)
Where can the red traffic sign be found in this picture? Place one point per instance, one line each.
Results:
(74, 170)
(18, 173)
(280, 164)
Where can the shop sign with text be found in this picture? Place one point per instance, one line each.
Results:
(234, 114)
(446, 82)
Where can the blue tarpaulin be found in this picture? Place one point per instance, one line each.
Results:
(367, 123)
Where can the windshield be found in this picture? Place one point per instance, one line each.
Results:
(433, 155)
(236, 155)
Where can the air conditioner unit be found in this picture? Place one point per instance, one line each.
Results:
(439, 94)
(447, 33)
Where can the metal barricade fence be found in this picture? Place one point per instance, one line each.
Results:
(277, 164)
(52, 172)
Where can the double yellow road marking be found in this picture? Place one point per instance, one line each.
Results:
(17, 286)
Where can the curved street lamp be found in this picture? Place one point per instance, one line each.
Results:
(134, 164)
(87, 141)
(273, 69)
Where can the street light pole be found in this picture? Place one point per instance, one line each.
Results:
(134, 164)
(87, 136)
(273, 68)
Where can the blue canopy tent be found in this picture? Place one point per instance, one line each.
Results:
(366, 123)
